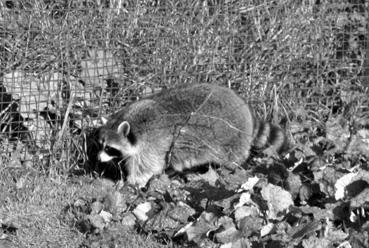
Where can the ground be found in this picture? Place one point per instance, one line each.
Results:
(31, 205)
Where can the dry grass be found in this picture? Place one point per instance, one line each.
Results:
(33, 204)
(287, 48)
(287, 56)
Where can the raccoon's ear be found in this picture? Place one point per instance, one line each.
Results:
(124, 128)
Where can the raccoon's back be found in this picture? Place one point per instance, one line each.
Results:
(210, 123)
(217, 116)
(200, 107)
(200, 117)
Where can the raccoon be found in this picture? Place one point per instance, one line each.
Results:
(183, 128)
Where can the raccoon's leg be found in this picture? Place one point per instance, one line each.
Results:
(141, 168)
(139, 180)
(181, 159)
(181, 162)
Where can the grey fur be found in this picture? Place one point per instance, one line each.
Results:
(186, 127)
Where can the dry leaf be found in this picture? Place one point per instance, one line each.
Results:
(314, 242)
(97, 221)
(142, 210)
(245, 211)
(339, 134)
(333, 234)
(250, 225)
(128, 220)
(227, 235)
(106, 216)
(197, 230)
(96, 207)
(278, 200)
(245, 198)
(359, 143)
(341, 184)
(265, 230)
(249, 185)
(239, 243)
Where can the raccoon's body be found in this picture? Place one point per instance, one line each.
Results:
(184, 128)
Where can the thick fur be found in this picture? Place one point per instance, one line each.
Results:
(183, 128)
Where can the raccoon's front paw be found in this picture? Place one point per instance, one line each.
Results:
(139, 180)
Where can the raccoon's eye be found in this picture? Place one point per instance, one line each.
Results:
(112, 151)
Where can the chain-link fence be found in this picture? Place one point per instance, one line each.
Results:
(66, 63)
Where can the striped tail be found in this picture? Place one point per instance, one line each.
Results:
(268, 138)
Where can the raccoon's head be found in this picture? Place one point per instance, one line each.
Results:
(119, 143)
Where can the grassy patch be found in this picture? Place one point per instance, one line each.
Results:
(32, 203)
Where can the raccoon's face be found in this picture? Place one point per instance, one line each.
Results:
(116, 143)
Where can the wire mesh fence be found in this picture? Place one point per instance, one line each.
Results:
(63, 64)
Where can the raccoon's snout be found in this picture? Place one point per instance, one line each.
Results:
(108, 154)
(104, 157)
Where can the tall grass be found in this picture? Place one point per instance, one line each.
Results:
(292, 59)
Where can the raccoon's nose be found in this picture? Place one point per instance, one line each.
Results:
(104, 157)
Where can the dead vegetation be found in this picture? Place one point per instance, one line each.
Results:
(65, 63)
